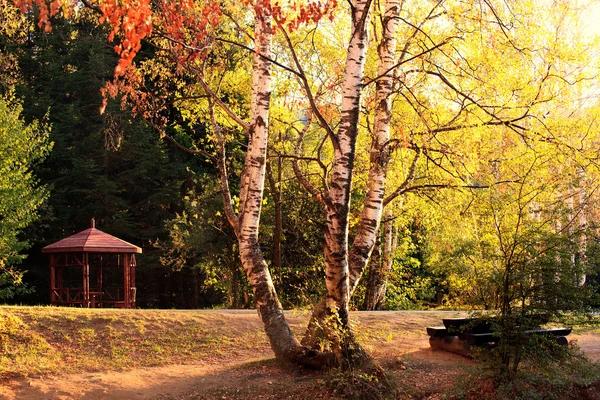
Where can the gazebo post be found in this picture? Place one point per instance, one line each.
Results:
(58, 274)
(132, 287)
(86, 281)
(100, 272)
(126, 280)
(52, 279)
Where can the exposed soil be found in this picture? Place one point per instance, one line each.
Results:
(397, 340)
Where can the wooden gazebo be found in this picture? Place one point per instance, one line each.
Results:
(92, 269)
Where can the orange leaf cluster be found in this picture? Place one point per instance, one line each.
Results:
(296, 14)
(45, 12)
(188, 26)
(132, 21)
(127, 89)
(292, 14)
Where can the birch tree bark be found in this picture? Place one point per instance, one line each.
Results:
(246, 221)
(374, 278)
(275, 189)
(330, 318)
(251, 196)
(380, 151)
(381, 266)
(389, 250)
(337, 211)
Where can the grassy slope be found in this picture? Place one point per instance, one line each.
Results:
(45, 340)
(42, 340)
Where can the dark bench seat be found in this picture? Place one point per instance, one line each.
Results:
(474, 325)
(478, 339)
(459, 334)
(551, 331)
(437, 331)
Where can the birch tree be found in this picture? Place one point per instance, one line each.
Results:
(380, 266)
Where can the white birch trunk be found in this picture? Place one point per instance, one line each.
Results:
(379, 154)
(251, 195)
(389, 248)
(381, 267)
(374, 278)
(336, 230)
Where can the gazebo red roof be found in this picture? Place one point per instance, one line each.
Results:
(91, 240)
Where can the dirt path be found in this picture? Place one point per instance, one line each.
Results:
(137, 384)
(430, 372)
(134, 384)
(589, 343)
(404, 355)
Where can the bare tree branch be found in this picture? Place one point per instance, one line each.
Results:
(313, 105)
(274, 62)
(308, 186)
(409, 178)
(426, 51)
(169, 138)
(239, 27)
(195, 152)
(230, 213)
(222, 105)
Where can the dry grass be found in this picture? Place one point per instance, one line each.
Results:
(43, 340)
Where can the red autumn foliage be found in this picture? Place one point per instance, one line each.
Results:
(188, 26)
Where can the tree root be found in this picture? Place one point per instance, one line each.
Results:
(310, 358)
(336, 344)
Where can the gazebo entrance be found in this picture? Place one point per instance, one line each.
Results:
(92, 269)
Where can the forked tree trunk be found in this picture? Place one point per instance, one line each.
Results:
(344, 267)
(337, 210)
(343, 346)
(330, 318)
(370, 218)
(246, 222)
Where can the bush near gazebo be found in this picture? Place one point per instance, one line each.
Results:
(21, 147)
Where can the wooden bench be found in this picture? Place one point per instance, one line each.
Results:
(458, 335)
